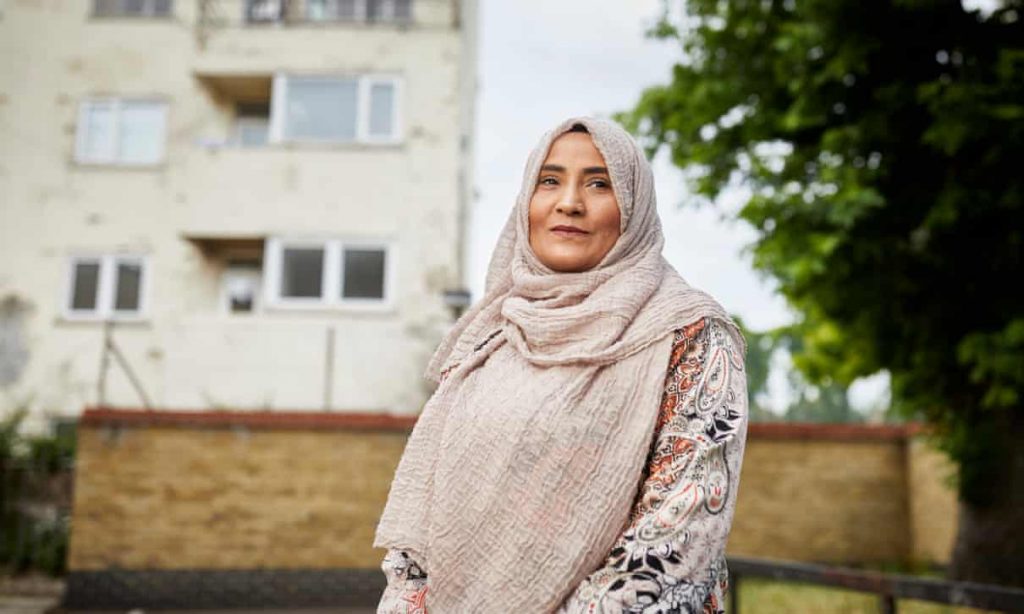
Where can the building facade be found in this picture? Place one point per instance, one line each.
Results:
(230, 204)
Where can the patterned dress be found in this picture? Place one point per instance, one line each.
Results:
(671, 555)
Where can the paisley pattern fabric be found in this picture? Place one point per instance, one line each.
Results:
(671, 555)
(406, 591)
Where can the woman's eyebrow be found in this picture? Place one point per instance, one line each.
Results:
(590, 170)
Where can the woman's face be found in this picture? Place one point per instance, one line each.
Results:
(574, 190)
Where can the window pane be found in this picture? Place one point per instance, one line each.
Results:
(85, 285)
(132, 7)
(377, 9)
(302, 271)
(321, 10)
(252, 132)
(364, 273)
(322, 109)
(142, 132)
(128, 291)
(106, 7)
(387, 10)
(97, 143)
(252, 124)
(382, 101)
(263, 10)
(403, 9)
(316, 10)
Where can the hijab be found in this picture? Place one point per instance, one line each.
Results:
(521, 470)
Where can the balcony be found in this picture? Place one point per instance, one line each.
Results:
(216, 14)
(260, 37)
(326, 11)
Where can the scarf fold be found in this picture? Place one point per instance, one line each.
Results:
(521, 471)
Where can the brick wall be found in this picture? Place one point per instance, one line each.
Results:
(933, 506)
(254, 490)
(843, 494)
(230, 490)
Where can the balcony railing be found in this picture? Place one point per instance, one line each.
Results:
(216, 16)
(326, 11)
(131, 8)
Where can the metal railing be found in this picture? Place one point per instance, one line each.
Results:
(255, 12)
(328, 10)
(131, 8)
(214, 16)
(888, 587)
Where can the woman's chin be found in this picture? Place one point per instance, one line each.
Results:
(568, 264)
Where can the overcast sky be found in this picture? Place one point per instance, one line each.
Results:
(540, 62)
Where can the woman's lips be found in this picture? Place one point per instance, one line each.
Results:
(563, 231)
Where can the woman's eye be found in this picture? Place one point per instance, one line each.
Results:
(546, 180)
(600, 183)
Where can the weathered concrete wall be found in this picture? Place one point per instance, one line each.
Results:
(245, 491)
(187, 352)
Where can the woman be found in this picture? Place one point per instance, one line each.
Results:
(581, 452)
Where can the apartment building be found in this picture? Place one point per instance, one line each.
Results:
(230, 204)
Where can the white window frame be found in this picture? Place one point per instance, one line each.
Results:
(364, 83)
(114, 159)
(331, 283)
(105, 293)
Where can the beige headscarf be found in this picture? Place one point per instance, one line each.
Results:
(522, 468)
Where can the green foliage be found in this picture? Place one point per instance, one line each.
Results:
(826, 401)
(28, 464)
(881, 143)
(760, 347)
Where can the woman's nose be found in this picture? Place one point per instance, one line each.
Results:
(569, 201)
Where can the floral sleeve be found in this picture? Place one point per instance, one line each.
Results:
(406, 591)
(671, 555)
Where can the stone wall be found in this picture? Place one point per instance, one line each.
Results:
(267, 490)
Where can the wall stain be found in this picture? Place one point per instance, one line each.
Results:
(14, 351)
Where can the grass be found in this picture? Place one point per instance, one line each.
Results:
(759, 596)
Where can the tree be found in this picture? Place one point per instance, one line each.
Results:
(826, 401)
(881, 143)
(760, 347)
